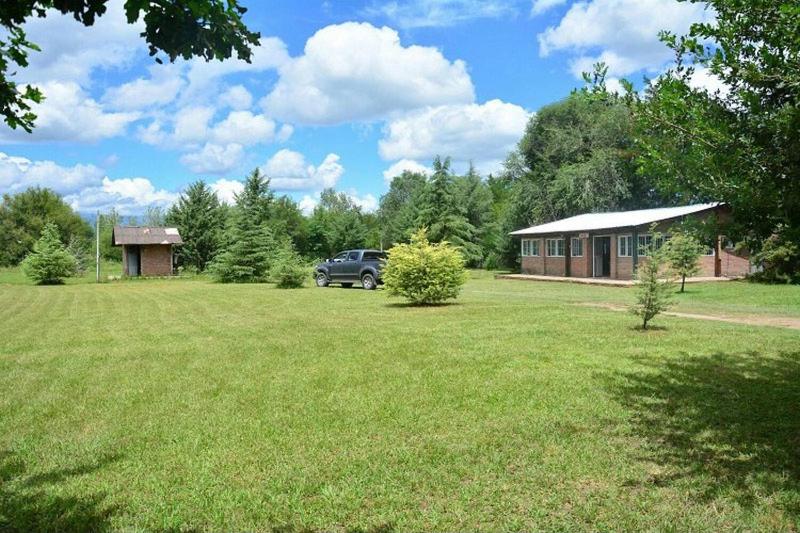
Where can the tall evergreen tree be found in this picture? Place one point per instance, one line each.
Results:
(49, 263)
(200, 220)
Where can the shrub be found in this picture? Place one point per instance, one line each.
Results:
(682, 253)
(424, 273)
(288, 269)
(49, 263)
(652, 292)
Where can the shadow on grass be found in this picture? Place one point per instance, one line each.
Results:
(728, 424)
(405, 305)
(30, 503)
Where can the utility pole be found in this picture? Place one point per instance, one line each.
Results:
(97, 247)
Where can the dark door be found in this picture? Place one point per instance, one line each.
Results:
(352, 265)
(133, 260)
(336, 270)
(602, 257)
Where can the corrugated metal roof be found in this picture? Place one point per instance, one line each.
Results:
(622, 219)
(145, 235)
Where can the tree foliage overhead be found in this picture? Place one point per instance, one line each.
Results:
(337, 224)
(23, 217)
(739, 142)
(211, 29)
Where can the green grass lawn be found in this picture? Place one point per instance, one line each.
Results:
(183, 404)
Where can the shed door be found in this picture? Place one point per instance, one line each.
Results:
(133, 260)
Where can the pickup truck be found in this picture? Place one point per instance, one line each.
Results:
(352, 266)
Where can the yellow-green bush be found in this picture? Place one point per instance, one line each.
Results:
(424, 273)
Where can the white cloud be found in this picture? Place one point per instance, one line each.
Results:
(159, 89)
(237, 97)
(288, 170)
(483, 133)
(68, 114)
(128, 195)
(541, 6)
(72, 51)
(307, 204)
(355, 71)
(621, 33)
(368, 203)
(704, 79)
(19, 173)
(227, 190)
(214, 158)
(438, 13)
(245, 128)
(399, 167)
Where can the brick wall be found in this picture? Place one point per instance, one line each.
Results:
(156, 260)
(533, 265)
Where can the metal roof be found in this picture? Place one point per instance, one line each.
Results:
(621, 219)
(144, 235)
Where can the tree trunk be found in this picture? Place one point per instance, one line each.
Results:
(683, 282)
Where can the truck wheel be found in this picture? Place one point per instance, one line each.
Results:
(322, 279)
(346, 285)
(368, 282)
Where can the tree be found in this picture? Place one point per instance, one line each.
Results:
(398, 211)
(49, 263)
(287, 219)
(653, 290)
(424, 273)
(682, 253)
(445, 218)
(201, 221)
(336, 224)
(738, 139)
(154, 216)
(287, 269)
(23, 217)
(78, 248)
(250, 243)
(211, 29)
(107, 221)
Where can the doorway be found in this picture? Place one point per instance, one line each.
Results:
(601, 247)
(133, 260)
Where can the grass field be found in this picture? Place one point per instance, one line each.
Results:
(182, 404)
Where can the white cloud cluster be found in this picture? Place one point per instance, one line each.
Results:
(289, 171)
(542, 6)
(355, 71)
(621, 33)
(159, 89)
(129, 196)
(19, 173)
(214, 158)
(397, 168)
(227, 189)
(483, 133)
(368, 203)
(69, 114)
(439, 13)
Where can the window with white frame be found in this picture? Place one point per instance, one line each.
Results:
(555, 247)
(576, 247)
(709, 251)
(530, 247)
(646, 243)
(624, 246)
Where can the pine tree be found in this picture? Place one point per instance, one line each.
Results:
(256, 197)
(247, 257)
(683, 255)
(201, 221)
(653, 290)
(49, 263)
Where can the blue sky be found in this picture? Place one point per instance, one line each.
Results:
(340, 93)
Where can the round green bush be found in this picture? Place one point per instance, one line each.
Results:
(424, 273)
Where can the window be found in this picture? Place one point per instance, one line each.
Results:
(555, 247)
(530, 247)
(646, 243)
(374, 256)
(341, 257)
(576, 247)
(709, 251)
(353, 256)
(624, 246)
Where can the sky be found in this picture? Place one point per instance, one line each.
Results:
(342, 94)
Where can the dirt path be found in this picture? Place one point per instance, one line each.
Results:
(750, 320)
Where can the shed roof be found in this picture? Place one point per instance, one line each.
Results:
(145, 235)
(621, 219)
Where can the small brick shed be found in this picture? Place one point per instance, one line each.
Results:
(146, 250)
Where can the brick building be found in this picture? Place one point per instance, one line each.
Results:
(146, 251)
(611, 245)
